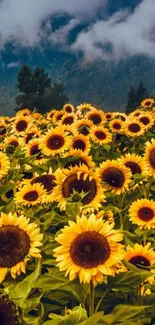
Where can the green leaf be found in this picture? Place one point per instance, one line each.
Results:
(77, 315)
(94, 318)
(21, 291)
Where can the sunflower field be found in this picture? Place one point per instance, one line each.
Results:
(77, 217)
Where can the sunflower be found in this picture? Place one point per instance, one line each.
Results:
(50, 114)
(136, 164)
(30, 195)
(4, 164)
(55, 141)
(31, 134)
(140, 256)
(96, 116)
(18, 244)
(89, 249)
(114, 175)
(21, 124)
(133, 128)
(3, 129)
(58, 116)
(148, 102)
(8, 311)
(33, 150)
(78, 179)
(82, 109)
(68, 119)
(121, 116)
(47, 180)
(68, 108)
(12, 141)
(109, 116)
(149, 157)
(24, 112)
(142, 213)
(83, 126)
(81, 143)
(77, 158)
(100, 135)
(146, 119)
(116, 125)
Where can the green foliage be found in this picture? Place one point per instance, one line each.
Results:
(135, 97)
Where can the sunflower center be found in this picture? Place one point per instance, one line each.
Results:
(72, 183)
(35, 151)
(89, 249)
(84, 129)
(14, 245)
(59, 116)
(145, 214)
(21, 125)
(30, 136)
(31, 196)
(3, 130)
(122, 118)
(79, 144)
(8, 313)
(100, 135)
(117, 126)
(55, 142)
(95, 118)
(75, 162)
(14, 143)
(145, 120)
(68, 109)
(108, 116)
(68, 120)
(134, 127)
(152, 157)
(46, 180)
(134, 167)
(113, 176)
(139, 261)
(148, 103)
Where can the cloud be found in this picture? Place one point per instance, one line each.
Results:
(121, 35)
(21, 20)
(14, 64)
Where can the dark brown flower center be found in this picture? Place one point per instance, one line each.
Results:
(68, 120)
(14, 143)
(122, 118)
(139, 261)
(27, 175)
(89, 249)
(79, 144)
(148, 103)
(84, 129)
(134, 127)
(9, 194)
(134, 167)
(152, 158)
(21, 125)
(113, 176)
(46, 180)
(117, 126)
(68, 109)
(100, 135)
(145, 214)
(8, 312)
(72, 183)
(145, 120)
(14, 245)
(95, 118)
(30, 136)
(108, 116)
(75, 162)
(3, 130)
(59, 116)
(55, 142)
(31, 196)
(35, 151)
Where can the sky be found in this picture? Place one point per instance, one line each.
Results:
(125, 33)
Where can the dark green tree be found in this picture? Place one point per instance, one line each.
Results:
(131, 101)
(36, 90)
(141, 94)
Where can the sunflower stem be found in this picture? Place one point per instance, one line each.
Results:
(140, 296)
(91, 299)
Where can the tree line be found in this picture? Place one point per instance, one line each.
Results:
(36, 90)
